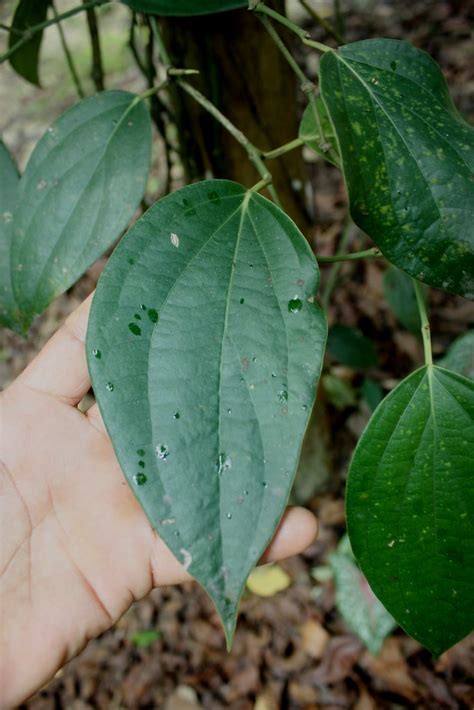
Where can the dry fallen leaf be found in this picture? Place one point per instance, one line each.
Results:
(268, 580)
(314, 638)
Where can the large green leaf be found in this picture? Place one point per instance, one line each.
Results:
(408, 158)
(410, 497)
(204, 348)
(317, 132)
(80, 188)
(25, 60)
(9, 180)
(178, 8)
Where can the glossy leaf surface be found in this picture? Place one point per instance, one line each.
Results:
(409, 502)
(79, 190)
(26, 59)
(205, 347)
(356, 602)
(407, 156)
(177, 8)
(9, 184)
(317, 132)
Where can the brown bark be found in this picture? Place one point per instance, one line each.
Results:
(243, 73)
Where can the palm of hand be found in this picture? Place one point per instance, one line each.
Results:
(76, 547)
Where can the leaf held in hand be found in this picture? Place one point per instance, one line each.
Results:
(8, 195)
(210, 348)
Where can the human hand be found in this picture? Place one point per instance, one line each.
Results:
(76, 548)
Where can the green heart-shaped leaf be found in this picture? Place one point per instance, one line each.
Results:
(407, 157)
(204, 347)
(460, 356)
(410, 497)
(10, 178)
(79, 190)
(178, 8)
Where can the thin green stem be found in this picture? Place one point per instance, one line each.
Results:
(333, 275)
(152, 91)
(265, 182)
(165, 57)
(327, 27)
(354, 256)
(68, 55)
(425, 324)
(283, 149)
(47, 23)
(12, 30)
(252, 151)
(302, 34)
(97, 72)
(283, 49)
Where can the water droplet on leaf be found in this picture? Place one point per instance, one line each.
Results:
(140, 479)
(153, 315)
(162, 452)
(282, 396)
(295, 305)
(134, 328)
(96, 353)
(109, 387)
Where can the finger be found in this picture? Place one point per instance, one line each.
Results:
(297, 530)
(95, 418)
(60, 369)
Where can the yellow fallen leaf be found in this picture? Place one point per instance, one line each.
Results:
(268, 580)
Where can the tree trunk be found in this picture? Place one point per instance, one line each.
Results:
(243, 73)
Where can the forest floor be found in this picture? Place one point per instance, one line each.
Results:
(292, 650)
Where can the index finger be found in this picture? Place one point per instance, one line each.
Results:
(60, 369)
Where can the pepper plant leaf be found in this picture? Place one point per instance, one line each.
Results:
(25, 59)
(317, 132)
(79, 190)
(8, 192)
(400, 295)
(409, 502)
(177, 8)
(407, 158)
(205, 347)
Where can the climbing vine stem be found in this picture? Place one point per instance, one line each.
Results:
(425, 324)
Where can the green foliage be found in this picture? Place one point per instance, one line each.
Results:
(407, 157)
(205, 342)
(146, 638)
(204, 347)
(409, 499)
(356, 602)
(317, 132)
(178, 8)
(26, 59)
(10, 178)
(460, 356)
(400, 296)
(79, 190)
(351, 347)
